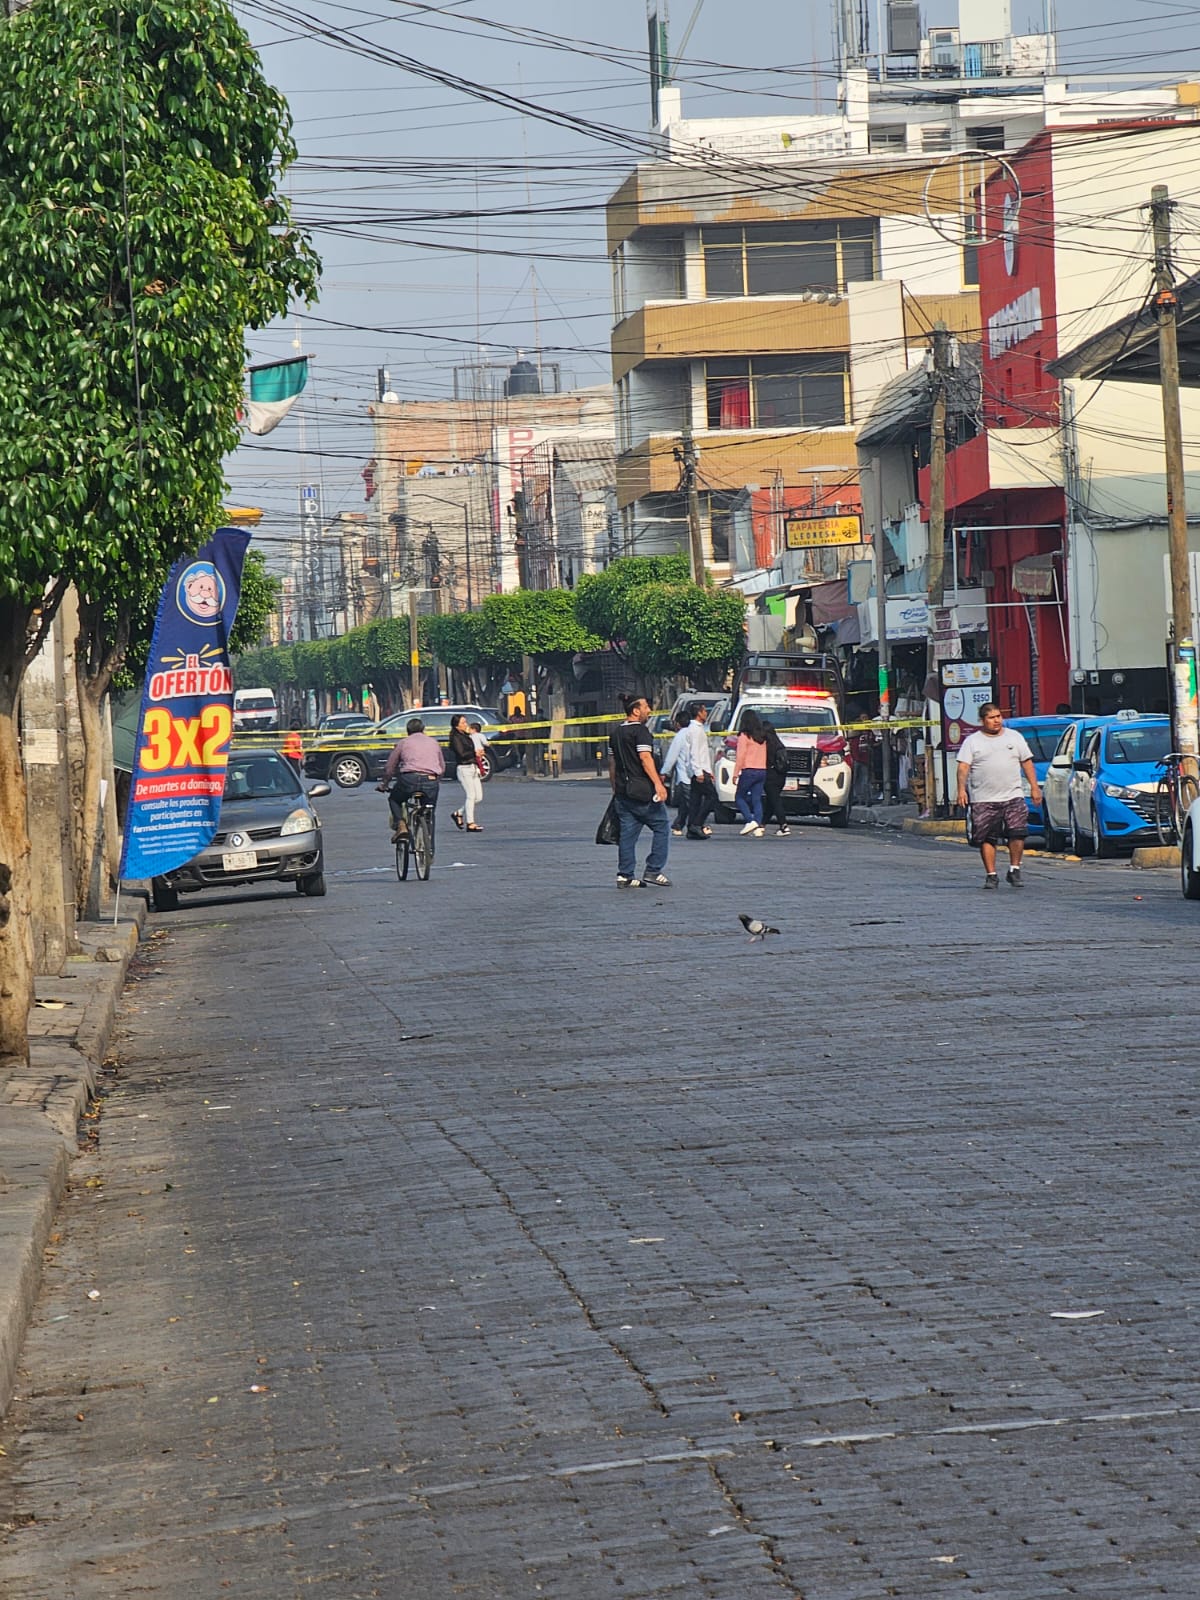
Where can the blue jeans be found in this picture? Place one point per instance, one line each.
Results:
(633, 817)
(749, 796)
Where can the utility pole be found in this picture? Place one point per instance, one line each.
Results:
(885, 693)
(937, 470)
(521, 540)
(1187, 734)
(936, 560)
(414, 654)
(467, 535)
(686, 456)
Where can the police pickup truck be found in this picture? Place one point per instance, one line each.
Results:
(818, 753)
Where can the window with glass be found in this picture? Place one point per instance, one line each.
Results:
(800, 391)
(790, 258)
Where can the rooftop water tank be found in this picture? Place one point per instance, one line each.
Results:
(522, 378)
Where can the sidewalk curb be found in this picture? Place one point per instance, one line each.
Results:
(40, 1107)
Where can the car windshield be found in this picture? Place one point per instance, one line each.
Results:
(1042, 740)
(261, 778)
(250, 699)
(792, 716)
(1125, 746)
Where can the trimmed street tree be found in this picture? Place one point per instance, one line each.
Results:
(680, 629)
(601, 597)
(140, 235)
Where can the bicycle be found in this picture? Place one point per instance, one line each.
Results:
(415, 844)
(1175, 793)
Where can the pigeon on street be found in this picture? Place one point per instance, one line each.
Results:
(755, 928)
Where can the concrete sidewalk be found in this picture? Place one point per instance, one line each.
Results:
(40, 1107)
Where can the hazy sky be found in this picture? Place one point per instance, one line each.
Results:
(418, 294)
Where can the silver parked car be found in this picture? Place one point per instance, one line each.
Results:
(267, 832)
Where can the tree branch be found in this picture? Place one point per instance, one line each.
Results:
(47, 611)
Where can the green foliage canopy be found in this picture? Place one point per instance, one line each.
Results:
(140, 235)
(602, 598)
(680, 628)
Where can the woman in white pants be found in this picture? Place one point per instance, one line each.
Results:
(462, 750)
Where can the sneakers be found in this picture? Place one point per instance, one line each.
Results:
(655, 880)
(707, 834)
(677, 833)
(628, 883)
(991, 881)
(758, 832)
(782, 833)
(750, 827)
(1013, 876)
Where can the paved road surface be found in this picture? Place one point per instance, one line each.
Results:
(579, 1248)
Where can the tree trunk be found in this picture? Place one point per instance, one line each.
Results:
(16, 939)
(97, 657)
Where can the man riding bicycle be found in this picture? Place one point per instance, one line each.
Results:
(416, 763)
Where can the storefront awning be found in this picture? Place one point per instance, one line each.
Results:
(1034, 576)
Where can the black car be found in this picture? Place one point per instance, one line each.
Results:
(358, 754)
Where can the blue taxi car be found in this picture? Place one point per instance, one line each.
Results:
(1042, 735)
(1114, 783)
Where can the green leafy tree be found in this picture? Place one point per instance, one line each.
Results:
(532, 622)
(141, 233)
(601, 597)
(456, 639)
(683, 629)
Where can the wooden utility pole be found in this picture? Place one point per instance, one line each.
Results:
(1166, 308)
(414, 653)
(688, 460)
(937, 470)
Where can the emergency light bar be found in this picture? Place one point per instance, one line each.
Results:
(779, 695)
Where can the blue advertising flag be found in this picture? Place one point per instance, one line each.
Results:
(186, 719)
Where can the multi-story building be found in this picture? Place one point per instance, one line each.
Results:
(446, 473)
(1056, 512)
(771, 274)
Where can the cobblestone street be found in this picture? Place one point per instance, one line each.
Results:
(509, 1235)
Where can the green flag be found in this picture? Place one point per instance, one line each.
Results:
(273, 391)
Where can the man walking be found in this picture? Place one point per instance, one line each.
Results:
(990, 764)
(641, 797)
(678, 762)
(704, 787)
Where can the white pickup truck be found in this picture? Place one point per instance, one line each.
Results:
(818, 777)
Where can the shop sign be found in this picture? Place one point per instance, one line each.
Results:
(820, 533)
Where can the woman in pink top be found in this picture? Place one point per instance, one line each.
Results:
(750, 771)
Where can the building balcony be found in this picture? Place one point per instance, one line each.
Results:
(678, 330)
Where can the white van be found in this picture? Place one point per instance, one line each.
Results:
(254, 711)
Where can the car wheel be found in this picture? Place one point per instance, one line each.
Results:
(313, 885)
(486, 766)
(165, 898)
(1189, 878)
(1054, 841)
(840, 818)
(1081, 845)
(1103, 847)
(348, 771)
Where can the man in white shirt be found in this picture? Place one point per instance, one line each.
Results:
(678, 761)
(704, 788)
(990, 765)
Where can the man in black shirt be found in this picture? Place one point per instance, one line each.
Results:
(641, 797)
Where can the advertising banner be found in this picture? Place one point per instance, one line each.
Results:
(186, 718)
